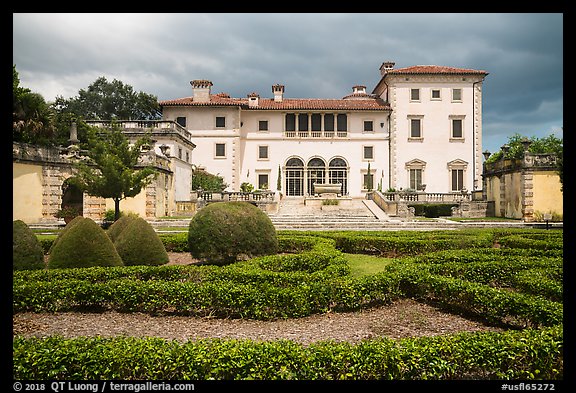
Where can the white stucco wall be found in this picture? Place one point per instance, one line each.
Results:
(393, 148)
(435, 148)
(280, 149)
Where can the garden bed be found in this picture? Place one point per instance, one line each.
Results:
(401, 319)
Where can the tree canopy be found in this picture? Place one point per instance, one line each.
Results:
(548, 144)
(112, 169)
(32, 117)
(104, 100)
(202, 180)
(39, 122)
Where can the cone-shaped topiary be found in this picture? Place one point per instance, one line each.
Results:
(222, 232)
(84, 244)
(27, 252)
(138, 244)
(74, 221)
(119, 225)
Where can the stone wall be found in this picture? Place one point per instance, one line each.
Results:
(40, 172)
(519, 188)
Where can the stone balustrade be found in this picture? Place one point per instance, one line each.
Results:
(227, 196)
(157, 126)
(426, 197)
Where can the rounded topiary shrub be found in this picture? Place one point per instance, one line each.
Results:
(27, 252)
(119, 225)
(224, 232)
(138, 244)
(85, 244)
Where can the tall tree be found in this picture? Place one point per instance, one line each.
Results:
(104, 100)
(112, 169)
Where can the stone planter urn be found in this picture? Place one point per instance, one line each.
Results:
(327, 188)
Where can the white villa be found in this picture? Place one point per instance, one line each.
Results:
(420, 128)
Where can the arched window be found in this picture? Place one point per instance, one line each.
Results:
(294, 175)
(316, 173)
(338, 173)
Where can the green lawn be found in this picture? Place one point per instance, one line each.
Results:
(363, 265)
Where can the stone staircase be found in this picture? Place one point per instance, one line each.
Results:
(362, 215)
(294, 215)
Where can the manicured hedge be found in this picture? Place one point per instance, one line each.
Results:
(527, 354)
(433, 210)
(508, 277)
(472, 280)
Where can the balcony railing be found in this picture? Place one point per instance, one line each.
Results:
(162, 126)
(315, 134)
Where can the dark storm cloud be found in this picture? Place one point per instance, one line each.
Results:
(313, 55)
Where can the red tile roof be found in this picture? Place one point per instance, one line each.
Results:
(428, 70)
(285, 104)
(432, 69)
(359, 95)
(215, 100)
(316, 103)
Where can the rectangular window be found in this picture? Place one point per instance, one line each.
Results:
(368, 152)
(303, 122)
(187, 157)
(457, 128)
(414, 94)
(457, 180)
(316, 122)
(368, 181)
(262, 152)
(220, 150)
(263, 125)
(180, 153)
(415, 128)
(457, 95)
(435, 94)
(416, 179)
(181, 120)
(368, 126)
(342, 122)
(220, 121)
(290, 122)
(263, 183)
(328, 122)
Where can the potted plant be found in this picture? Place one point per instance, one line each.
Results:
(68, 213)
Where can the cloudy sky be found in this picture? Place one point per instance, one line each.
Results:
(313, 55)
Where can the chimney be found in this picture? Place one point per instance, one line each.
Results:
(201, 90)
(358, 89)
(253, 100)
(386, 66)
(278, 91)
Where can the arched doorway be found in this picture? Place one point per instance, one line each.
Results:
(338, 173)
(316, 173)
(72, 196)
(294, 177)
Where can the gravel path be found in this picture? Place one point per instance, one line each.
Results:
(403, 318)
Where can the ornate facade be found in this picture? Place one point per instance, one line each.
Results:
(420, 128)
